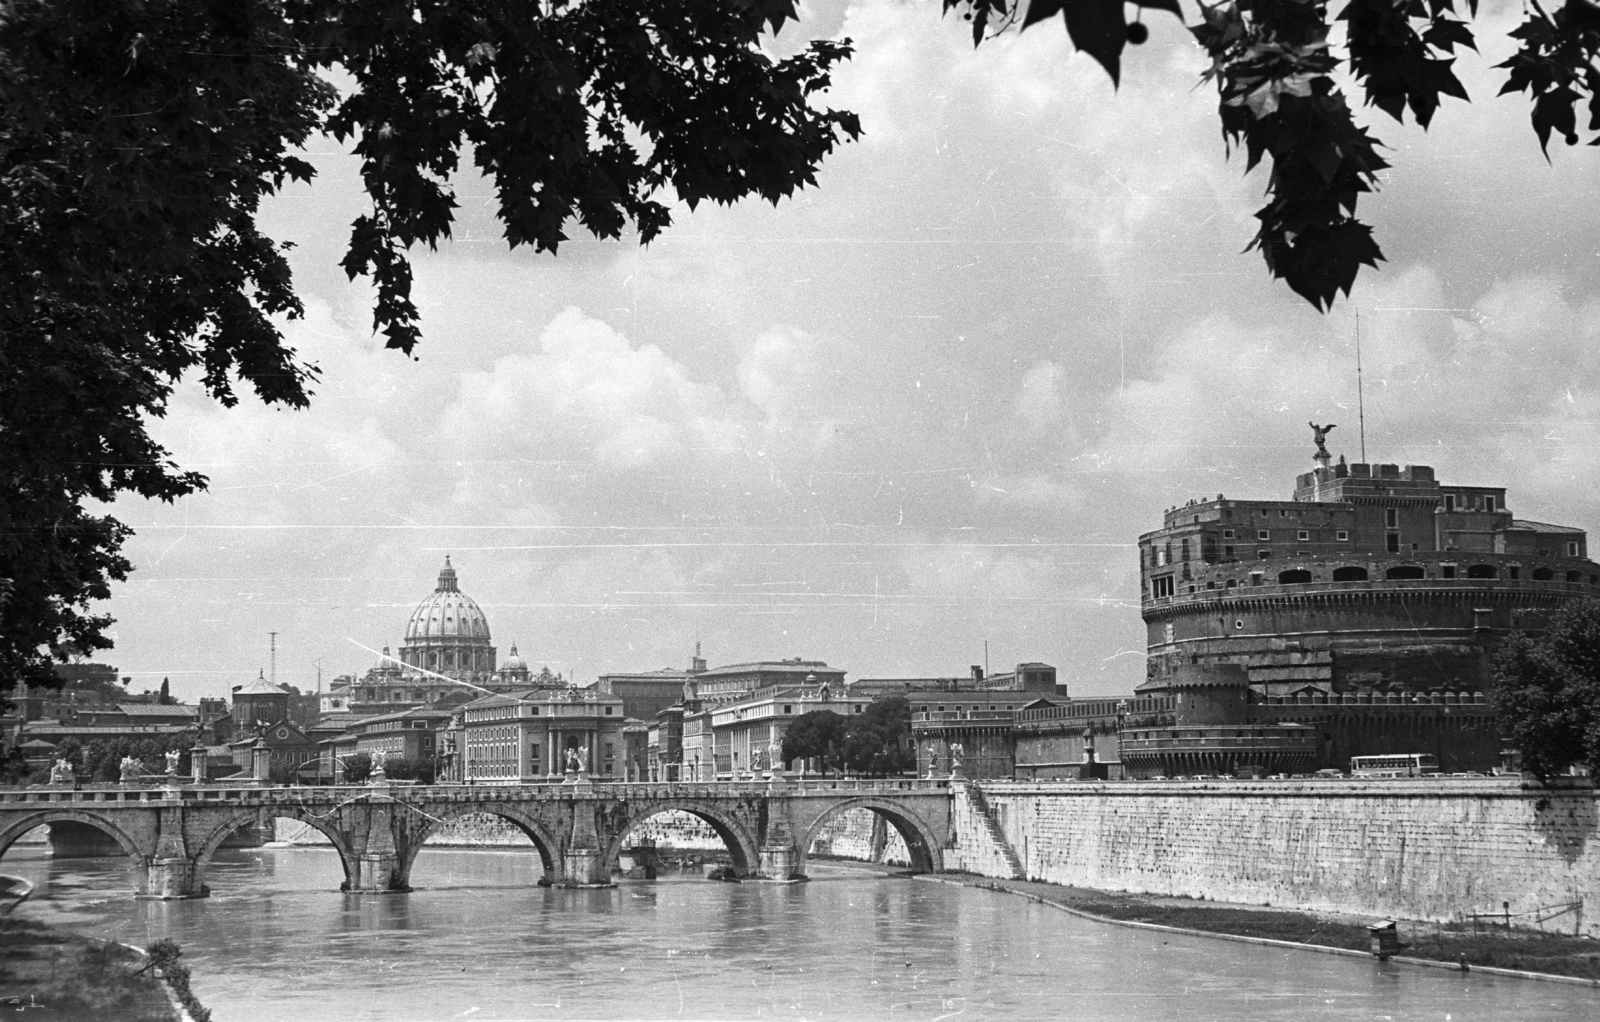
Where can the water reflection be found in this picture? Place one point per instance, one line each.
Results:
(277, 942)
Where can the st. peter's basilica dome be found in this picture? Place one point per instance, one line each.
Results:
(447, 613)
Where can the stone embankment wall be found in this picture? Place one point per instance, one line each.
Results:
(1437, 849)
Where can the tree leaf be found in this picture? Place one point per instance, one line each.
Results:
(1098, 29)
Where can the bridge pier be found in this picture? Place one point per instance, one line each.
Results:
(778, 858)
(170, 873)
(376, 866)
(583, 859)
(171, 878)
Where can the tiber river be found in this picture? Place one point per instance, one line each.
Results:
(476, 940)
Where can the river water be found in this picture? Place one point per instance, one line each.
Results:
(477, 941)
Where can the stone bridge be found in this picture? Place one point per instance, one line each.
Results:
(578, 828)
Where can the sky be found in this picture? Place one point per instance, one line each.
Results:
(911, 420)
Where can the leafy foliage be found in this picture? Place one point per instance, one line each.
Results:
(102, 757)
(878, 739)
(358, 768)
(1275, 75)
(1546, 691)
(138, 137)
(818, 735)
(1556, 65)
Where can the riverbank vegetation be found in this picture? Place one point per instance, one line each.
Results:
(60, 977)
(1531, 951)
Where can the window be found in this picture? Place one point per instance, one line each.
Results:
(1294, 576)
(608, 711)
(1227, 533)
(1391, 517)
(1264, 554)
(1263, 535)
(1572, 548)
(788, 708)
(1227, 551)
(1489, 503)
(1232, 584)
(1303, 536)
(1514, 571)
(1183, 549)
(1404, 572)
(1447, 571)
(1483, 571)
(1393, 542)
(1349, 573)
(1161, 588)
(1343, 536)
(1255, 578)
(858, 708)
(1283, 512)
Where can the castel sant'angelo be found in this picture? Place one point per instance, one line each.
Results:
(1366, 609)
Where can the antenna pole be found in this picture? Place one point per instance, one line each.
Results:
(274, 640)
(1361, 404)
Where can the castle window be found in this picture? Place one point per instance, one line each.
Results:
(1227, 551)
(1574, 576)
(1255, 578)
(1294, 576)
(1303, 536)
(1264, 554)
(1403, 572)
(1483, 571)
(1447, 571)
(1488, 503)
(1349, 573)
(1183, 549)
(1449, 502)
(1343, 536)
(1283, 512)
(1227, 533)
(1393, 542)
(1543, 574)
(1391, 518)
(1514, 572)
(1263, 535)
(1160, 588)
(1232, 584)
(1572, 548)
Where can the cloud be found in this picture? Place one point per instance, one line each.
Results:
(589, 391)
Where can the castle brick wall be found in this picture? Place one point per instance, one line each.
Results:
(1434, 849)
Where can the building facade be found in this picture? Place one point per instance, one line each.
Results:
(524, 737)
(1373, 578)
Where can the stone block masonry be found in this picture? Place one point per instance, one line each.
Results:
(1434, 849)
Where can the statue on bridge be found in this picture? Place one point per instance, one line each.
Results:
(173, 755)
(956, 754)
(132, 770)
(577, 760)
(61, 771)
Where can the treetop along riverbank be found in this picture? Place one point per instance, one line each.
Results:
(1491, 947)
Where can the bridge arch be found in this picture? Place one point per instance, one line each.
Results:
(244, 817)
(543, 840)
(744, 847)
(15, 829)
(922, 842)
